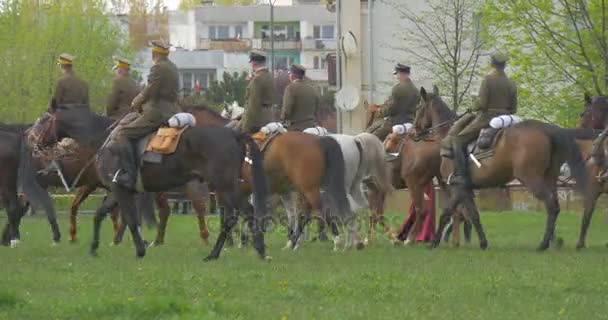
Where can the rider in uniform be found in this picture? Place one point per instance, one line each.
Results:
(260, 93)
(300, 101)
(156, 103)
(124, 90)
(497, 96)
(70, 90)
(400, 107)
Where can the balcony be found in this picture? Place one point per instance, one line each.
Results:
(264, 44)
(229, 45)
(319, 44)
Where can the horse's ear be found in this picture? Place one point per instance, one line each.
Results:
(587, 98)
(435, 90)
(423, 93)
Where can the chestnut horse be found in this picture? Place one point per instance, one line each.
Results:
(304, 163)
(592, 119)
(532, 152)
(419, 160)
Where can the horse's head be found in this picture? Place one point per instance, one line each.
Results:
(595, 114)
(432, 110)
(44, 132)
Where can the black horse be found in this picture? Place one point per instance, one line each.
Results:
(214, 155)
(17, 172)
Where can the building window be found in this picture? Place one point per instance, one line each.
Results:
(323, 32)
(281, 32)
(327, 32)
(284, 62)
(315, 62)
(219, 32)
(319, 62)
(238, 32)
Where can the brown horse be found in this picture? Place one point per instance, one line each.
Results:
(80, 172)
(419, 160)
(596, 110)
(530, 151)
(301, 162)
(214, 155)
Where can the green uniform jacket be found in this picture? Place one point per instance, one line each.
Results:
(124, 90)
(402, 104)
(160, 94)
(300, 105)
(71, 90)
(260, 93)
(158, 99)
(497, 94)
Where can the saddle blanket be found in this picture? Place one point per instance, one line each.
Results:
(166, 140)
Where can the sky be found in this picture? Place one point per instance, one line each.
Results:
(173, 4)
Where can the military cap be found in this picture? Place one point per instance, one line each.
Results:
(499, 57)
(297, 69)
(122, 63)
(257, 56)
(65, 59)
(160, 47)
(401, 68)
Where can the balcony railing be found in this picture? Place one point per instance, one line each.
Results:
(264, 44)
(225, 45)
(319, 44)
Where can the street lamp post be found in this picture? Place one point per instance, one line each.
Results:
(271, 2)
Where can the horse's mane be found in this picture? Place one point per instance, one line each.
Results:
(203, 108)
(87, 127)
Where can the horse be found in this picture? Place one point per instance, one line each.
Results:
(214, 155)
(530, 151)
(301, 162)
(17, 172)
(592, 119)
(79, 171)
(232, 111)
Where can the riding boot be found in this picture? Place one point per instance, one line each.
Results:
(461, 170)
(128, 170)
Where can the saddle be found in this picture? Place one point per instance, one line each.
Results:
(267, 133)
(483, 147)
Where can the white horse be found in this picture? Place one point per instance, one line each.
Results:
(363, 156)
(232, 111)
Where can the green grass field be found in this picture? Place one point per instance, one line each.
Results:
(509, 281)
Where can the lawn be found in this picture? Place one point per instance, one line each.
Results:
(508, 281)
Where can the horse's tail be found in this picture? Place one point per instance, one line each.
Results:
(27, 181)
(334, 180)
(565, 149)
(373, 156)
(145, 206)
(259, 183)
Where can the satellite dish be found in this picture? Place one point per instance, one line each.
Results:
(349, 45)
(347, 99)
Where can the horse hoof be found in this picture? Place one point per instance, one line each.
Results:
(140, 253)
(155, 244)
(483, 245)
(288, 245)
(93, 253)
(267, 258)
(366, 241)
(210, 258)
(73, 240)
(360, 246)
(542, 247)
(580, 246)
(54, 243)
(408, 242)
(296, 247)
(559, 243)
(14, 243)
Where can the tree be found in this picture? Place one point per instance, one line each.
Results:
(558, 51)
(33, 35)
(443, 39)
(192, 4)
(233, 87)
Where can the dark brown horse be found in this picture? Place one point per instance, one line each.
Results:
(301, 162)
(79, 171)
(214, 155)
(592, 119)
(530, 151)
(17, 172)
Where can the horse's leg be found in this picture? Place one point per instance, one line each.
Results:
(468, 204)
(457, 218)
(117, 226)
(552, 206)
(417, 195)
(288, 202)
(467, 226)
(82, 193)
(590, 202)
(162, 203)
(229, 219)
(445, 217)
(128, 210)
(313, 198)
(107, 205)
(198, 193)
(11, 203)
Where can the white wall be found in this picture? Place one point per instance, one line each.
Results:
(182, 29)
